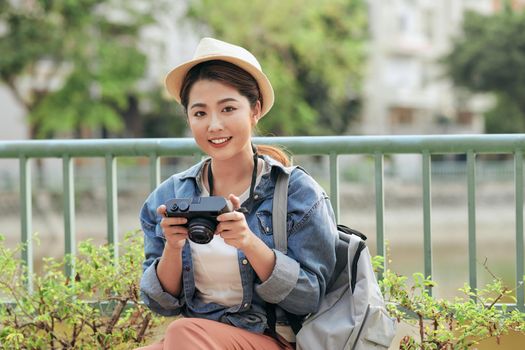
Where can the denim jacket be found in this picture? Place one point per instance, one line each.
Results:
(299, 278)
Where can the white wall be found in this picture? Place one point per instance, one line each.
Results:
(12, 127)
(12, 122)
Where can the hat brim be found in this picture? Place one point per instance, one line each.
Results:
(176, 76)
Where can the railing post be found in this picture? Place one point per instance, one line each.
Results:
(154, 171)
(26, 219)
(427, 218)
(518, 181)
(334, 184)
(471, 183)
(69, 212)
(112, 204)
(380, 208)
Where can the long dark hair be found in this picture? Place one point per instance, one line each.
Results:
(223, 72)
(236, 77)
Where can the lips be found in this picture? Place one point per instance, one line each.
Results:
(219, 141)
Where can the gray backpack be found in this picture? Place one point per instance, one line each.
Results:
(352, 313)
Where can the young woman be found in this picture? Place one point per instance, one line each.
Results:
(222, 288)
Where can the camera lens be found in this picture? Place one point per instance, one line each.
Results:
(201, 230)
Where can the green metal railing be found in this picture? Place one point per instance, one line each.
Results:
(331, 146)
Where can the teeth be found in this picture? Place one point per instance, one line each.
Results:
(219, 141)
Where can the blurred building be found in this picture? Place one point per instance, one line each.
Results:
(405, 91)
(12, 117)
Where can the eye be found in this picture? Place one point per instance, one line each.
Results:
(228, 109)
(199, 114)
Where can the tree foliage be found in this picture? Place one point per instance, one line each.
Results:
(505, 117)
(74, 64)
(312, 51)
(490, 57)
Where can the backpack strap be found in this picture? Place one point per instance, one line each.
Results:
(353, 272)
(280, 211)
(355, 247)
(345, 234)
(280, 239)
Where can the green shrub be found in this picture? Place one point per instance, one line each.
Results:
(98, 309)
(449, 324)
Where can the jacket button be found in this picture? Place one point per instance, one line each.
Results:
(244, 261)
(256, 196)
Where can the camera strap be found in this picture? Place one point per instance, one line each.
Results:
(254, 173)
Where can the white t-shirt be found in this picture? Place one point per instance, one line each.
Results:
(216, 266)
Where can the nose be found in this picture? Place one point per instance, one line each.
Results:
(215, 123)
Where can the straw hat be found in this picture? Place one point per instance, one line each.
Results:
(212, 49)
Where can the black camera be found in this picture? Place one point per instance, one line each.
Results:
(201, 213)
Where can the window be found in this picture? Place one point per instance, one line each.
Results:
(401, 116)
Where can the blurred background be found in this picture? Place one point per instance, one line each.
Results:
(95, 69)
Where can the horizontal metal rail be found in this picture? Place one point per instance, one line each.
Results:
(331, 146)
(313, 145)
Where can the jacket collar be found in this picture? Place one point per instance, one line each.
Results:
(195, 172)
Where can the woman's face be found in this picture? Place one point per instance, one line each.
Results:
(221, 119)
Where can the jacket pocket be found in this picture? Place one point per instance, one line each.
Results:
(265, 222)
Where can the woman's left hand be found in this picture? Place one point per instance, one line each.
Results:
(233, 227)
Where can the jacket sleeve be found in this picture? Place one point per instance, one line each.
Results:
(151, 291)
(299, 278)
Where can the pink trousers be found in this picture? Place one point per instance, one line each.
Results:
(203, 334)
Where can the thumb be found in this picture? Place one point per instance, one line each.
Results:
(236, 202)
(161, 210)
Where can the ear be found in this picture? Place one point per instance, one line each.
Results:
(256, 113)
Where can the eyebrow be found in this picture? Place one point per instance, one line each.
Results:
(200, 104)
(197, 105)
(227, 99)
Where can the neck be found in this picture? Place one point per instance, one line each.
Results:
(232, 175)
(236, 168)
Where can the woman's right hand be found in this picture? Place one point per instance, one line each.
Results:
(174, 233)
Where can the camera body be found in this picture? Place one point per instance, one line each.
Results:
(201, 213)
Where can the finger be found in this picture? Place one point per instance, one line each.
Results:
(176, 231)
(230, 238)
(227, 235)
(220, 228)
(234, 226)
(176, 238)
(236, 202)
(231, 216)
(161, 210)
(173, 221)
(223, 231)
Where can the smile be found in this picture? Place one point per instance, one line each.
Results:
(220, 141)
